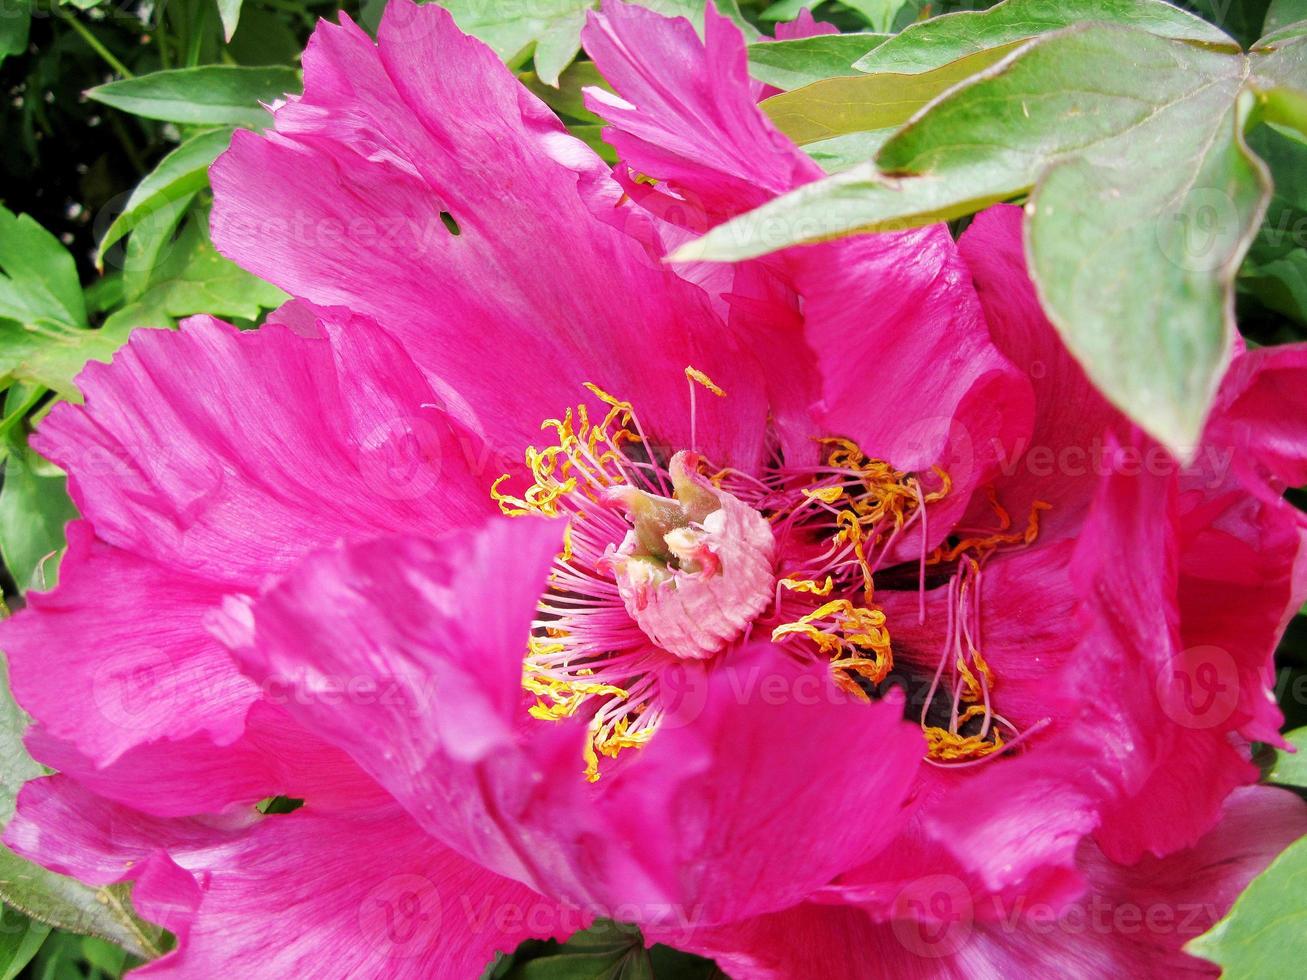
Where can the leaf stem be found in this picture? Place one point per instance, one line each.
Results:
(94, 42)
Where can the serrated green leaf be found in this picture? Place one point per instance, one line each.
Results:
(16, 766)
(194, 278)
(1290, 768)
(1280, 284)
(1265, 934)
(178, 175)
(34, 508)
(605, 951)
(229, 11)
(862, 103)
(68, 904)
(38, 278)
(210, 95)
(931, 43)
(791, 64)
(20, 938)
(53, 356)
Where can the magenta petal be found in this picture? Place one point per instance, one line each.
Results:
(759, 791)
(230, 455)
(685, 112)
(1060, 460)
(345, 204)
(193, 775)
(1133, 922)
(119, 654)
(367, 892)
(703, 819)
(1261, 413)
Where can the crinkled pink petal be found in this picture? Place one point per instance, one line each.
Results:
(905, 365)
(119, 654)
(712, 818)
(228, 455)
(367, 892)
(345, 204)
(191, 776)
(1161, 731)
(1133, 922)
(1261, 413)
(684, 109)
(768, 781)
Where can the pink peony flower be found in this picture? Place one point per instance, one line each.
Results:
(834, 625)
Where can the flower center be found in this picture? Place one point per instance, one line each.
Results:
(667, 561)
(695, 569)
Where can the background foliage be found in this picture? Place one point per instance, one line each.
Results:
(113, 110)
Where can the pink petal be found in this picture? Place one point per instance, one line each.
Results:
(1061, 459)
(713, 818)
(229, 455)
(684, 111)
(193, 775)
(343, 206)
(804, 25)
(119, 654)
(904, 362)
(1132, 923)
(366, 892)
(1261, 413)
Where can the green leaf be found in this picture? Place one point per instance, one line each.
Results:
(1282, 13)
(566, 98)
(34, 508)
(38, 278)
(42, 895)
(52, 356)
(841, 153)
(931, 43)
(211, 95)
(791, 64)
(68, 904)
(16, 766)
(1144, 201)
(1279, 66)
(230, 13)
(787, 10)
(20, 938)
(549, 32)
(605, 951)
(14, 26)
(862, 103)
(194, 278)
(1265, 933)
(178, 175)
(1290, 768)
(879, 14)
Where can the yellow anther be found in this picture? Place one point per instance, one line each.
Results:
(826, 494)
(694, 374)
(808, 585)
